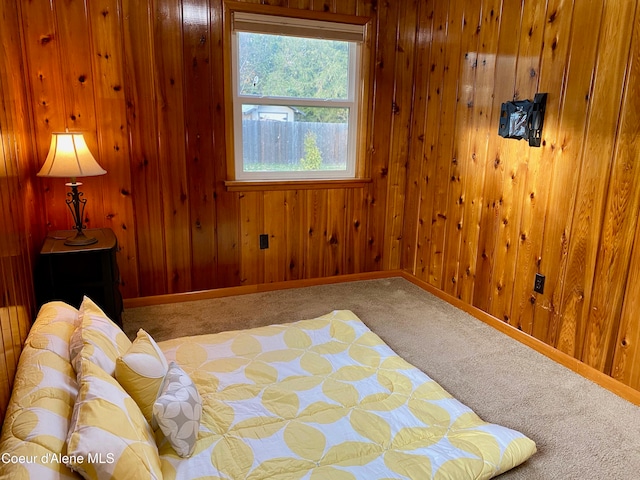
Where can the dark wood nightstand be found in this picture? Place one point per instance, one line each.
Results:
(68, 273)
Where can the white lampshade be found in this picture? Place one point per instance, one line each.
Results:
(70, 157)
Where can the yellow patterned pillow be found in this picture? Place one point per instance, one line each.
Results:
(97, 338)
(55, 324)
(108, 436)
(141, 371)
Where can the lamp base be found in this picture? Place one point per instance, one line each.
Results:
(76, 206)
(80, 239)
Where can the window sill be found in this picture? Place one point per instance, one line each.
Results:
(253, 186)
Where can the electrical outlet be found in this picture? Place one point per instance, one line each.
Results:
(538, 285)
(264, 241)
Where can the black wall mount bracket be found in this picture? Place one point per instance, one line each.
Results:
(523, 119)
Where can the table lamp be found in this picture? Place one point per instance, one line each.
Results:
(69, 157)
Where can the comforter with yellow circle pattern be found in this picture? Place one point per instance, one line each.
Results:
(328, 399)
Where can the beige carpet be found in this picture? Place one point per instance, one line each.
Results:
(582, 431)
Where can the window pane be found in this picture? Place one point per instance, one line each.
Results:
(281, 66)
(280, 138)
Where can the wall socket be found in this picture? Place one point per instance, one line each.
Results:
(538, 285)
(264, 241)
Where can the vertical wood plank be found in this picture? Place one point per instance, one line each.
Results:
(77, 76)
(576, 102)
(431, 190)
(169, 63)
(356, 230)
(199, 147)
(322, 5)
(444, 177)
(142, 117)
(346, 7)
(17, 93)
(530, 47)
(462, 162)
(295, 234)
(316, 231)
(42, 58)
(415, 165)
(483, 122)
(275, 257)
(400, 135)
(336, 233)
(385, 56)
(514, 175)
(251, 226)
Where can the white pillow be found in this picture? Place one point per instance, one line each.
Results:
(178, 410)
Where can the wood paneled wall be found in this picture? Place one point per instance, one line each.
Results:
(144, 81)
(488, 213)
(18, 217)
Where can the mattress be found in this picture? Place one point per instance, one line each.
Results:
(328, 399)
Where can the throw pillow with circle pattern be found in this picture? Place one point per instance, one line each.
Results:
(178, 410)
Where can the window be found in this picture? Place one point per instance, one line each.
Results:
(295, 97)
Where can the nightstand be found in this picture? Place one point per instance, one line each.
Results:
(68, 273)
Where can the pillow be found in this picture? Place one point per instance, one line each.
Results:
(97, 338)
(53, 327)
(178, 410)
(141, 371)
(108, 435)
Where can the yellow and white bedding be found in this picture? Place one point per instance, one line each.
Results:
(315, 399)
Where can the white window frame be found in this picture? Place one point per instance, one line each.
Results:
(310, 28)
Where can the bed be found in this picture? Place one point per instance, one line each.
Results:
(324, 398)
